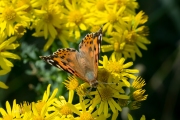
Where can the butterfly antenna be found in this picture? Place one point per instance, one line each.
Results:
(99, 94)
(109, 84)
(106, 83)
(89, 90)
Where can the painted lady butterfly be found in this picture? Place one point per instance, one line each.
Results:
(82, 63)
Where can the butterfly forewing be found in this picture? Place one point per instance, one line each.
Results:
(65, 59)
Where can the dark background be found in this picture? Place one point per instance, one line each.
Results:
(159, 66)
(161, 63)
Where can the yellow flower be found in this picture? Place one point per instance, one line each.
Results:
(50, 20)
(136, 35)
(32, 6)
(110, 19)
(71, 84)
(62, 34)
(138, 83)
(130, 5)
(11, 112)
(84, 114)
(98, 5)
(19, 30)
(82, 90)
(6, 45)
(41, 109)
(138, 95)
(118, 45)
(77, 16)
(61, 107)
(105, 96)
(25, 107)
(137, 91)
(119, 69)
(10, 16)
(44, 114)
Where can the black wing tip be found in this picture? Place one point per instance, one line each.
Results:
(45, 57)
(99, 31)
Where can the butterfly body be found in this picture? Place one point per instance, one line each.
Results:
(82, 63)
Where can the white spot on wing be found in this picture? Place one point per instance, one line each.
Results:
(58, 66)
(51, 61)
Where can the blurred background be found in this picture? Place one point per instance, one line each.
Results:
(161, 63)
(159, 66)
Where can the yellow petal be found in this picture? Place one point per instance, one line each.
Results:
(105, 109)
(130, 117)
(101, 107)
(82, 26)
(8, 108)
(9, 55)
(71, 95)
(73, 108)
(3, 72)
(2, 85)
(48, 44)
(111, 106)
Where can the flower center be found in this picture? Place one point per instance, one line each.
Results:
(65, 110)
(9, 14)
(112, 18)
(100, 5)
(114, 67)
(86, 116)
(106, 94)
(82, 90)
(59, 30)
(103, 75)
(48, 18)
(131, 38)
(76, 17)
(19, 29)
(72, 83)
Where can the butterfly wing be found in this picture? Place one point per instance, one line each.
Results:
(65, 59)
(90, 47)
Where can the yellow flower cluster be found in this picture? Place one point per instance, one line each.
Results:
(65, 19)
(6, 45)
(123, 31)
(52, 108)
